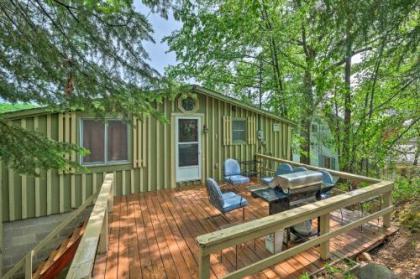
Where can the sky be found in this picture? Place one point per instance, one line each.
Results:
(159, 58)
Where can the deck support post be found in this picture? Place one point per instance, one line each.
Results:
(28, 265)
(325, 228)
(203, 265)
(387, 202)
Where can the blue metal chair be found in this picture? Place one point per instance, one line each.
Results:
(328, 182)
(298, 169)
(224, 202)
(232, 173)
(281, 169)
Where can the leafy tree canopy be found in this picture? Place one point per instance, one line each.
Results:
(80, 55)
(297, 59)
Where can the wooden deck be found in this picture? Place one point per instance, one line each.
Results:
(153, 235)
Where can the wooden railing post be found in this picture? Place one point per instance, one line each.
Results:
(257, 166)
(103, 241)
(386, 203)
(28, 265)
(204, 265)
(111, 195)
(325, 228)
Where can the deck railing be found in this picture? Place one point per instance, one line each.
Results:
(98, 211)
(95, 237)
(221, 239)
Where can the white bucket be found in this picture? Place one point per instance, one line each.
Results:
(274, 242)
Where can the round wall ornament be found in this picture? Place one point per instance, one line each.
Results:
(188, 102)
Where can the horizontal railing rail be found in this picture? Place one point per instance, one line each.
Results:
(221, 239)
(341, 174)
(95, 237)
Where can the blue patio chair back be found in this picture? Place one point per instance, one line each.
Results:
(299, 169)
(327, 178)
(328, 183)
(281, 169)
(284, 169)
(215, 194)
(224, 202)
(231, 167)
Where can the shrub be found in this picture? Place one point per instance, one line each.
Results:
(406, 189)
(410, 217)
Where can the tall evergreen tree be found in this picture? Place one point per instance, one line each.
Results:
(86, 55)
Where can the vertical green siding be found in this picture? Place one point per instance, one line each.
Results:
(24, 196)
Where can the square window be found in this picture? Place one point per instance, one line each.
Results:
(106, 140)
(239, 131)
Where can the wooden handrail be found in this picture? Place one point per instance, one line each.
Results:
(95, 237)
(305, 246)
(221, 239)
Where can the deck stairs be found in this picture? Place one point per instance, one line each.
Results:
(61, 257)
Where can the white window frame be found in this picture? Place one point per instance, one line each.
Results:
(241, 141)
(106, 162)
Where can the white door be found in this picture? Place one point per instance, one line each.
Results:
(187, 148)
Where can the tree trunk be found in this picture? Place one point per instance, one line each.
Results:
(308, 105)
(275, 62)
(347, 105)
(417, 152)
(305, 133)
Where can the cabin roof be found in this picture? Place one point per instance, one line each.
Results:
(194, 88)
(236, 102)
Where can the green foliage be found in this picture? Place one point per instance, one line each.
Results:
(26, 151)
(304, 276)
(410, 217)
(296, 57)
(78, 55)
(339, 268)
(332, 269)
(406, 189)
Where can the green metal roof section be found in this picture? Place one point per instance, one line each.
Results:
(27, 112)
(195, 88)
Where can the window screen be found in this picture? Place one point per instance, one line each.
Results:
(238, 131)
(107, 141)
(93, 140)
(328, 162)
(117, 141)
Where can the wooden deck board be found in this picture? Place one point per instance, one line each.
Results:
(152, 235)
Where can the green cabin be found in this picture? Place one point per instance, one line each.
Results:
(203, 129)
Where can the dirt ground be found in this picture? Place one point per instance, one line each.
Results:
(401, 254)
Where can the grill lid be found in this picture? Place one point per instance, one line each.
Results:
(295, 180)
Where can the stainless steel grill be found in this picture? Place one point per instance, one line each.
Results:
(289, 191)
